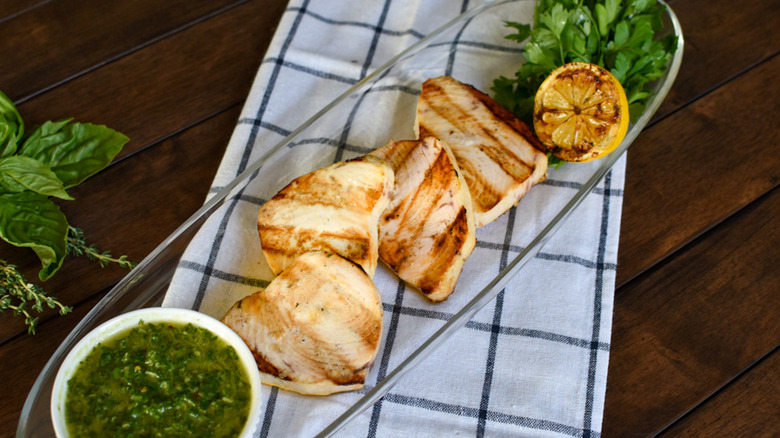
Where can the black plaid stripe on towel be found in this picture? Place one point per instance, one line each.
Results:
(532, 362)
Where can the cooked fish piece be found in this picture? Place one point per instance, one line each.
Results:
(498, 154)
(428, 230)
(334, 209)
(316, 328)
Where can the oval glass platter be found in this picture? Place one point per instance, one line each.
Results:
(198, 267)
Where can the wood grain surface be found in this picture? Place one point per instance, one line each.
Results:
(696, 325)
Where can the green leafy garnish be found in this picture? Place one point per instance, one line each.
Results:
(11, 126)
(32, 220)
(35, 167)
(22, 297)
(52, 158)
(617, 35)
(77, 246)
(553, 161)
(73, 151)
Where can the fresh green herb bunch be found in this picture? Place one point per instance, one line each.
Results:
(35, 167)
(42, 164)
(617, 35)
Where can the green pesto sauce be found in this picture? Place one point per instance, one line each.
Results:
(159, 380)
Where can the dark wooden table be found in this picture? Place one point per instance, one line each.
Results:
(697, 309)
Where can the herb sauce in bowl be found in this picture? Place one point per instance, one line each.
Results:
(157, 376)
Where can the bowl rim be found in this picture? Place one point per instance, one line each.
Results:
(130, 319)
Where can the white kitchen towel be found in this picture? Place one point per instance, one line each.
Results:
(532, 362)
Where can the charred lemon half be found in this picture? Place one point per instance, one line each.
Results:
(580, 112)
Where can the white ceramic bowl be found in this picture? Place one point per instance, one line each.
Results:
(151, 315)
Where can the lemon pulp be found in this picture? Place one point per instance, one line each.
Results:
(580, 112)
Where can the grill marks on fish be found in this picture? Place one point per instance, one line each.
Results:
(497, 153)
(334, 209)
(416, 204)
(428, 230)
(452, 250)
(316, 328)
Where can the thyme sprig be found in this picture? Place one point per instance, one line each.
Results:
(23, 297)
(77, 246)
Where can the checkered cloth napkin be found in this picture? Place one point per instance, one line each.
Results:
(532, 362)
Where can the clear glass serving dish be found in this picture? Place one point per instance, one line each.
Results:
(310, 147)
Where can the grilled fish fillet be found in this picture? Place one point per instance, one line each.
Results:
(334, 209)
(315, 329)
(498, 154)
(428, 230)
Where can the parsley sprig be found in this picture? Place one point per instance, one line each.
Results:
(620, 36)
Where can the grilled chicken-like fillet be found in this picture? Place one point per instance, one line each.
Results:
(315, 329)
(428, 230)
(498, 154)
(334, 209)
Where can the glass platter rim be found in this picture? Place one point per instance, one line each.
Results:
(459, 319)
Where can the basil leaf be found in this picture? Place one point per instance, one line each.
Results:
(73, 151)
(27, 173)
(48, 129)
(11, 126)
(31, 220)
